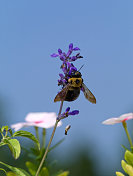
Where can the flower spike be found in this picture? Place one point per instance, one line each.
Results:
(67, 113)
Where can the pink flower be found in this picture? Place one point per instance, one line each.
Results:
(38, 119)
(120, 119)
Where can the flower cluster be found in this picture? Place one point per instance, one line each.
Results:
(67, 66)
(67, 113)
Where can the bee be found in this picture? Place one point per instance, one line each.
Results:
(71, 90)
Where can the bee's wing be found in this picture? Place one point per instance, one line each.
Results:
(88, 94)
(62, 94)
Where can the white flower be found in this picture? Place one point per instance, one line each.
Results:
(38, 119)
(119, 119)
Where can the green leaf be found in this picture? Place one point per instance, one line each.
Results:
(58, 143)
(119, 174)
(129, 157)
(65, 173)
(129, 170)
(14, 146)
(44, 172)
(17, 171)
(31, 167)
(124, 164)
(3, 170)
(27, 135)
(10, 174)
(2, 143)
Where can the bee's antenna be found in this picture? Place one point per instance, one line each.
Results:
(80, 67)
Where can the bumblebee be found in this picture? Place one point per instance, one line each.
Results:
(71, 90)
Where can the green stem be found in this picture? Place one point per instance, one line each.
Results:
(37, 133)
(6, 134)
(43, 138)
(46, 151)
(127, 133)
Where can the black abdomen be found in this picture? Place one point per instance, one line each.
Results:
(72, 94)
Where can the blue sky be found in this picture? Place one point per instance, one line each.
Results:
(31, 30)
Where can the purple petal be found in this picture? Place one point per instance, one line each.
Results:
(59, 51)
(76, 49)
(64, 54)
(59, 81)
(64, 62)
(74, 112)
(64, 81)
(72, 69)
(69, 53)
(68, 64)
(73, 58)
(64, 69)
(78, 56)
(68, 109)
(71, 46)
(68, 77)
(62, 57)
(54, 55)
(61, 75)
(82, 89)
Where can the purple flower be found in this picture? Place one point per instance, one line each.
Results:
(59, 51)
(74, 112)
(71, 49)
(60, 54)
(67, 109)
(63, 56)
(67, 66)
(67, 113)
(74, 58)
(71, 46)
(61, 75)
(64, 68)
(72, 69)
(55, 54)
(62, 80)
(76, 49)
